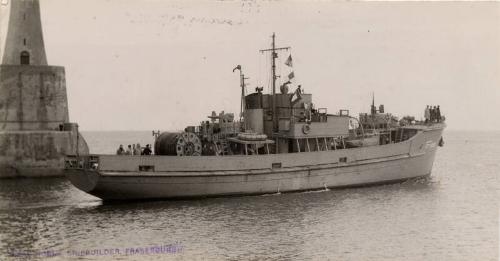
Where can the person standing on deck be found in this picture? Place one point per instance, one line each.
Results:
(438, 114)
(147, 151)
(435, 114)
(427, 114)
(431, 112)
(120, 150)
(137, 150)
(129, 150)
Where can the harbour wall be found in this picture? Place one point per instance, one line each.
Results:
(37, 153)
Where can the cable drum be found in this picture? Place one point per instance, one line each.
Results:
(178, 144)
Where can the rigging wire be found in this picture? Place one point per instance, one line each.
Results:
(295, 80)
(269, 73)
(259, 74)
(289, 69)
(280, 79)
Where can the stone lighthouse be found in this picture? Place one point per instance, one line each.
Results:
(35, 132)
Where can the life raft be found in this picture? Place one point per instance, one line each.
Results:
(306, 129)
(252, 136)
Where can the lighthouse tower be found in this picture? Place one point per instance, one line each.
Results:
(35, 132)
(21, 37)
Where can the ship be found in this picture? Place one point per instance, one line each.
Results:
(280, 143)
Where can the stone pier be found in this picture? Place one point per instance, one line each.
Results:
(35, 131)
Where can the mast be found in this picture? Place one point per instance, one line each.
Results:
(242, 107)
(242, 85)
(274, 55)
(373, 108)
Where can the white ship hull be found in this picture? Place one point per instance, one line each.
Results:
(120, 178)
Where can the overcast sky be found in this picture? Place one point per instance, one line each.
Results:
(154, 64)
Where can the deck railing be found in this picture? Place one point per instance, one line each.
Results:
(90, 162)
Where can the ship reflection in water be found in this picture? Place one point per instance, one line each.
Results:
(451, 215)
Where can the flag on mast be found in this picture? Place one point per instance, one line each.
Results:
(289, 61)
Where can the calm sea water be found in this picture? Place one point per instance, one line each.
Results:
(453, 215)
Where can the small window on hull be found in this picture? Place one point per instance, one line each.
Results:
(146, 168)
(25, 58)
(276, 165)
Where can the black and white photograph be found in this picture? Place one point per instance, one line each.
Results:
(249, 130)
